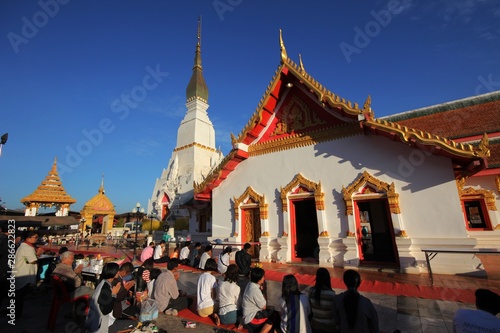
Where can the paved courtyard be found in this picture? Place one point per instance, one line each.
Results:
(406, 313)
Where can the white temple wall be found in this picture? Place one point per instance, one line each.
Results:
(428, 196)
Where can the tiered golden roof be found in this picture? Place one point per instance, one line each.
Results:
(50, 191)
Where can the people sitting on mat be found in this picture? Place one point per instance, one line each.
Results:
(155, 272)
(295, 307)
(169, 298)
(148, 252)
(206, 292)
(194, 255)
(124, 302)
(481, 320)
(207, 254)
(354, 312)
(229, 294)
(72, 279)
(100, 316)
(224, 258)
(243, 260)
(184, 253)
(175, 253)
(142, 277)
(159, 249)
(322, 299)
(257, 316)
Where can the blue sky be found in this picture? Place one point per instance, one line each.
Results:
(66, 65)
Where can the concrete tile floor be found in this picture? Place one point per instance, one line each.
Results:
(408, 314)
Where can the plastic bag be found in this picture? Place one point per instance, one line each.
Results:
(149, 310)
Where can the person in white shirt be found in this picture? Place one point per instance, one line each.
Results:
(229, 293)
(205, 256)
(159, 250)
(224, 257)
(206, 292)
(184, 254)
(481, 320)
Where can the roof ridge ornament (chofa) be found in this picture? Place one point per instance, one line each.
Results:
(284, 56)
(303, 70)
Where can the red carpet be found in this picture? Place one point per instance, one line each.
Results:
(389, 288)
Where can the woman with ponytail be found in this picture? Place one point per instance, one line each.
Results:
(355, 312)
(295, 307)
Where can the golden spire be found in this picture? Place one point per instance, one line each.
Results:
(284, 56)
(101, 189)
(197, 88)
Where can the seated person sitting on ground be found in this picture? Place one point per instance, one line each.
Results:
(124, 307)
(71, 278)
(243, 260)
(207, 254)
(256, 316)
(229, 294)
(184, 253)
(206, 291)
(481, 320)
(169, 298)
(194, 255)
(353, 311)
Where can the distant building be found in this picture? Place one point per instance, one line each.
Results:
(50, 194)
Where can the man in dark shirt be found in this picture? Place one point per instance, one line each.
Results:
(243, 260)
(194, 255)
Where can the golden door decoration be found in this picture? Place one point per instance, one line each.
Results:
(252, 228)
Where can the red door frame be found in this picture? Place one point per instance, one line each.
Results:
(391, 228)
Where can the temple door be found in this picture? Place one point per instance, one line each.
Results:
(375, 232)
(251, 229)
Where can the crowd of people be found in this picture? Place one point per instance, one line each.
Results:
(237, 297)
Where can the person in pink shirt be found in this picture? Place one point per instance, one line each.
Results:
(148, 252)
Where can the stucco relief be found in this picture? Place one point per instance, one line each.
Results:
(374, 188)
(303, 185)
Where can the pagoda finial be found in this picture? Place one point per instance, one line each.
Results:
(101, 189)
(197, 88)
(54, 166)
(284, 56)
(199, 30)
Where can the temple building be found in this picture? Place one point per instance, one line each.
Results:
(50, 194)
(192, 159)
(314, 177)
(98, 213)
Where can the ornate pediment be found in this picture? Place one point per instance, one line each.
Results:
(250, 197)
(368, 186)
(468, 193)
(302, 185)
